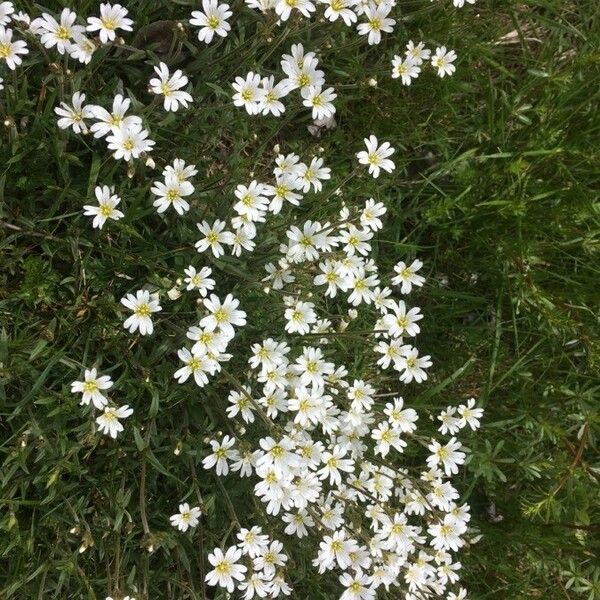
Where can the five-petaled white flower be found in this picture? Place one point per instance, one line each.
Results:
(107, 200)
(74, 116)
(9, 50)
(129, 142)
(58, 34)
(226, 568)
(90, 388)
(211, 20)
(112, 17)
(376, 156)
(442, 61)
(143, 304)
(108, 421)
(169, 86)
(186, 517)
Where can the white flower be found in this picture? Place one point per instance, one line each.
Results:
(320, 100)
(269, 102)
(300, 317)
(180, 170)
(186, 517)
(74, 116)
(446, 534)
(9, 50)
(223, 315)
(248, 92)
(6, 9)
(143, 304)
(112, 17)
(283, 191)
(108, 422)
(376, 156)
(195, 364)
(221, 453)
(417, 53)
(335, 548)
(252, 541)
(461, 3)
(406, 69)
(129, 141)
(170, 86)
(357, 586)
(371, 213)
(469, 415)
(252, 202)
(107, 200)
(284, 8)
(313, 174)
(340, 8)
(226, 570)
(448, 455)
(90, 388)
(301, 69)
(406, 276)
(450, 423)
(171, 193)
(199, 280)
(443, 60)
(82, 49)
(411, 366)
(214, 237)
(270, 558)
(207, 342)
(57, 34)
(377, 22)
(212, 20)
(402, 322)
(112, 122)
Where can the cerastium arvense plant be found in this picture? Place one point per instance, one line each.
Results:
(319, 427)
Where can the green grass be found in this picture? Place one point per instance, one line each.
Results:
(496, 190)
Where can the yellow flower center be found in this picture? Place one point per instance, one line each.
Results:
(277, 451)
(143, 310)
(411, 362)
(303, 79)
(5, 50)
(220, 315)
(223, 568)
(90, 387)
(373, 159)
(337, 5)
(402, 322)
(62, 33)
(194, 364)
(166, 90)
(172, 195)
(109, 24)
(106, 210)
(213, 22)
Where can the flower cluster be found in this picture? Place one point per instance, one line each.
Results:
(409, 67)
(325, 451)
(91, 392)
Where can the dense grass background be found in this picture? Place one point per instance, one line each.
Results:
(496, 190)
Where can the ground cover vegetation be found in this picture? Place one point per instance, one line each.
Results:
(299, 300)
